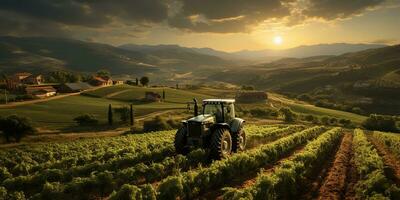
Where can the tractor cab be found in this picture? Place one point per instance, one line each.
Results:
(222, 109)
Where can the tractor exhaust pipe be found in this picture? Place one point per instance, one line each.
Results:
(196, 107)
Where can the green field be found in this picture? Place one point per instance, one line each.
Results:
(59, 113)
(304, 108)
(132, 93)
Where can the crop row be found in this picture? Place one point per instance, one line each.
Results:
(284, 182)
(372, 184)
(190, 184)
(121, 171)
(390, 140)
(22, 162)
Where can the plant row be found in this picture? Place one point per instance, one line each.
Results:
(288, 176)
(390, 140)
(190, 184)
(372, 184)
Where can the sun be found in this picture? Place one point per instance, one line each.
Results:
(278, 40)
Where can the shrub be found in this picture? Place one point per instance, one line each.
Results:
(159, 124)
(267, 112)
(16, 126)
(86, 120)
(124, 113)
(325, 120)
(289, 115)
(381, 123)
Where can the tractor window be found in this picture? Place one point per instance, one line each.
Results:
(229, 111)
(213, 109)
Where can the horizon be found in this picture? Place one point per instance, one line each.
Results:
(224, 26)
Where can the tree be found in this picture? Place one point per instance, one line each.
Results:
(381, 123)
(110, 115)
(103, 74)
(132, 116)
(16, 126)
(144, 80)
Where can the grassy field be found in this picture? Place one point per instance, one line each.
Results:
(304, 108)
(59, 113)
(132, 93)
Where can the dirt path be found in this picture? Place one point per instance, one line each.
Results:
(117, 93)
(351, 178)
(392, 164)
(14, 104)
(334, 185)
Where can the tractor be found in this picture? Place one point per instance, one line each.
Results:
(216, 129)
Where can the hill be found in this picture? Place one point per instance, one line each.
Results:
(306, 51)
(366, 79)
(42, 54)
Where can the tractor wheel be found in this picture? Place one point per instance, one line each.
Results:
(239, 141)
(180, 141)
(221, 144)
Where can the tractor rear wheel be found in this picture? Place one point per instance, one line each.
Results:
(221, 143)
(180, 141)
(239, 141)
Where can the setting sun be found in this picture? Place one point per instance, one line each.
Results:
(278, 40)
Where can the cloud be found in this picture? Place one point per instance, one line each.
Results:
(226, 15)
(91, 13)
(112, 18)
(338, 9)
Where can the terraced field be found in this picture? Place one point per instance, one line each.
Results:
(280, 162)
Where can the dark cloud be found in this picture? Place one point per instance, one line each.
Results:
(99, 18)
(226, 15)
(338, 9)
(93, 13)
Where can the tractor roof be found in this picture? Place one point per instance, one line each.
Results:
(219, 101)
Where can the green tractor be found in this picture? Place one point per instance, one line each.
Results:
(216, 129)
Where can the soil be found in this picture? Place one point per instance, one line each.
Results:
(334, 185)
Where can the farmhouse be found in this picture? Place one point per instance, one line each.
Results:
(152, 96)
(33, 80)
(18, 80)
(99, 81)
(40, 91)
(74, 87)
(118, 82)
(251, 97)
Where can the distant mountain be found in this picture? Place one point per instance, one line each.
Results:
(266, 55)
(182, 56)
(41, 54)
(307, 51)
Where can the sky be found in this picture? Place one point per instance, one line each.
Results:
(228, 25)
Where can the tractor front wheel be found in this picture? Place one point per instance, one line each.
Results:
(180, 141)
(221, 144)
(239, 141)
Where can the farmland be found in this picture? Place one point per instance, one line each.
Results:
(59, 113)
(280, 162)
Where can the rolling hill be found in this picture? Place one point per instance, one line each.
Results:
(366, 79)
(42, 54)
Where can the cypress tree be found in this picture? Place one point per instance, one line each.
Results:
(131, 116)
(110, 115)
